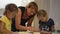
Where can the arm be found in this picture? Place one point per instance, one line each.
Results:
(53, 28)
(2, 28)
(30, 21)
(18, 21)
(45, 32)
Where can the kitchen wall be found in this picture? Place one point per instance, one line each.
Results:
(55, 12)
(53, 9)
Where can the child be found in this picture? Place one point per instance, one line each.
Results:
(46, 24)
(5, 20)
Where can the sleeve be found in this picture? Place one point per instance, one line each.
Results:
(52, 22)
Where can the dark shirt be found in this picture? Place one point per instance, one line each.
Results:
(23, 21)
(46, 26)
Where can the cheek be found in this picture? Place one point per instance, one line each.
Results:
(13, 14)
(32, 12)
(42, 19)
(28, 11)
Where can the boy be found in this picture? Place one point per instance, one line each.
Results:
(46, 24)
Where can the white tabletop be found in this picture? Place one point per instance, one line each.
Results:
(31, 33)
(26, 33)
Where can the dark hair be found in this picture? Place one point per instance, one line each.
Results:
(11, 7)
(33, 4)
(42, 13)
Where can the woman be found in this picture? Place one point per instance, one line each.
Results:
(6, 19)
(25, 14)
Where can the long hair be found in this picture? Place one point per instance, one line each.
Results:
(33, 4)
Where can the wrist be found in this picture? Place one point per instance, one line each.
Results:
(27, 28)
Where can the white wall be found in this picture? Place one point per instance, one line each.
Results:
(55, 12)
(17, 2)
(53, 9)
(1, 11)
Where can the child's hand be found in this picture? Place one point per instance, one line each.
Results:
(45, 32)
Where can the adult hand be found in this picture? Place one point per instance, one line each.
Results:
(33, 29)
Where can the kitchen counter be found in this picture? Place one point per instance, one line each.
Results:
(26, 32)
(32, 33)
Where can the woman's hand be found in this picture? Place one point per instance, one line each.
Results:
(32, 29)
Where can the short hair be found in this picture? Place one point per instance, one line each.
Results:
(11, 7)
(42, 13)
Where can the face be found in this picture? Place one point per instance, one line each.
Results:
(31, 11)
(43, 19)
(12, 14)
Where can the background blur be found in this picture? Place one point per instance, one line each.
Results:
(51, 6)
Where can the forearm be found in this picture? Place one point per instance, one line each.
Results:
(36, 30)
(49, 32)
(6, 31)
(30, 21)
(45, 32)
(2, 28)
(20, 27)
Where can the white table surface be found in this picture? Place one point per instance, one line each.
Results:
(31, 33)
(26, 33)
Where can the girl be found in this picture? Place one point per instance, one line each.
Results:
(46, 24)
(5, 20)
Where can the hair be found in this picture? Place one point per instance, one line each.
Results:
(42, 13)
(11, 7)
(33, 4)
